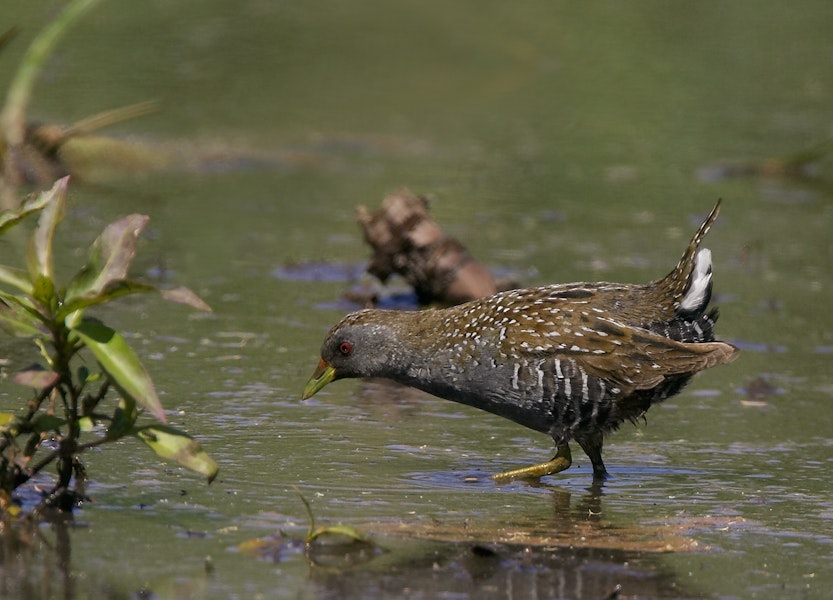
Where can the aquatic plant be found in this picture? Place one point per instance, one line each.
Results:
(75, 407)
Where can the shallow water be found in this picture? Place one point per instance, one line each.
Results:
(559, 142)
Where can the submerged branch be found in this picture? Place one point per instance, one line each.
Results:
(407, 241)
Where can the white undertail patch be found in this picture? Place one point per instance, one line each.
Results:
(701, 278)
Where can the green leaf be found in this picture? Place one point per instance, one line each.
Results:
(86, 424)
(173, 444)
(42, 422)
(34, 203)
(124, 418)
(339, 534)
(44, 291)
(18, 318)
(44, 352)
(109, 259)
(39, 256)
(17, 278)
(121, 365)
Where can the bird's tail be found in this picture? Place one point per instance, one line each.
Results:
(690, 283)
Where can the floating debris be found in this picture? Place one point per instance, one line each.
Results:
(758, 391)
(319, 271)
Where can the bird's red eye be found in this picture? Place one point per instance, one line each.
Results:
(345, 348)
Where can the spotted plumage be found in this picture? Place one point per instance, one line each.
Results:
(572, 360)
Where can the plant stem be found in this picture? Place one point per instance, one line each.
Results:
(33, 407)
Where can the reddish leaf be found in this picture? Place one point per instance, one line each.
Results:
(183, 295)
(37, 377)
(109, 258)
(10, 218)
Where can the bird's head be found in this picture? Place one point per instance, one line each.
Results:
(363, 344)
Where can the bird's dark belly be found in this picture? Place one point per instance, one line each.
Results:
(562, 397)
(551, 395)
(554, 395)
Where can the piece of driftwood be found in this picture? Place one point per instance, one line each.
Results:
(49, 151)
(407, 241)
(800, 165)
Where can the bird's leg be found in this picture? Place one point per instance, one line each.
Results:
(592, 446)
(562, 460)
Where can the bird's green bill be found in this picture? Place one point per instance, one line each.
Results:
(323, 375)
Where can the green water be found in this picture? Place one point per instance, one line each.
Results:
(560, 142)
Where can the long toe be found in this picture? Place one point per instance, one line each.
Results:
(560, 462)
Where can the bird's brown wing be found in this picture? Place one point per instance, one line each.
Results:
(651, 358)
(631, 357)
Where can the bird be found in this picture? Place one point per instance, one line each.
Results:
(572, 360)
